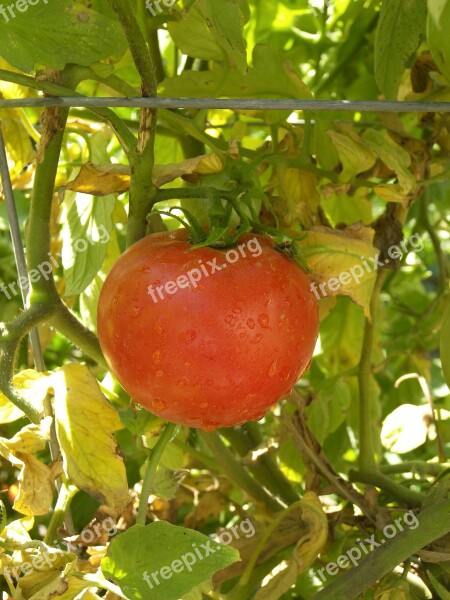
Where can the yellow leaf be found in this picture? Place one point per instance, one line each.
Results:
(33, 386)
(341, 262)
(391, 193)
(299, 197)
(85, 422)
(35, 479)
(203, 165)
(306, 550)
(101, 180)
(355, 156)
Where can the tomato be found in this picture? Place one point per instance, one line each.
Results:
(205, 337)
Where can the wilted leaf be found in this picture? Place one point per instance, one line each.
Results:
(393, 155)
(355, 156)
(329, 409)
(340, 261)
(101, 180)
(306, 550)
(142, 551)
(85, 422)
(35, 479)
(17, 139)
(406, 428)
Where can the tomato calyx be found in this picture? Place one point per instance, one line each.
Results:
(221, 236)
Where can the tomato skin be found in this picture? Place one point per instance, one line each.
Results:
(215, 354)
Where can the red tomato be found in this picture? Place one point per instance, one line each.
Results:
(207, 338)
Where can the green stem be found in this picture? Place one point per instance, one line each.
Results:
(138, 47)
(236, 472)
(367, 460)
(416, 466)
(434, 523)
(264, 468)
(65, 497)
(396, 490)
(150, 470)
(11, 335)
(68, 324)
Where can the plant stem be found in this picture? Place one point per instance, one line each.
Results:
(434, 523)
(367, 462)
(150, 470)
(396, 490)
(66, 494)
(236, 472)
(416, 466)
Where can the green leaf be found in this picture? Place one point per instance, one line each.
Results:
(438, 23)
(272, 76)
(329, 409)
(172, 559)
(445, 346)
(58, 33)
(400, 28)
(224, 19)
(86, 227)
(443, 593)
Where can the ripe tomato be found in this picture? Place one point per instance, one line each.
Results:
(207, 338)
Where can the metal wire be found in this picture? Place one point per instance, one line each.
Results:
(230, 103)
(19, 252)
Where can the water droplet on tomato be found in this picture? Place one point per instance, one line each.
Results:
(272, 369)
(209, 425)
(209, 382)
(157, 405)
(188, 364)
(263, 320)
(229, 319)
(203, 404)
(257, 338)
(159, 325)
(157, 357)
(188, 336)
(250, 323)
(237, 311)
(135, 311)
(159, 373)
(285, 373)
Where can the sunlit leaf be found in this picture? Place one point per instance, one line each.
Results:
(406, 428)
(163, 548)
(85, 423)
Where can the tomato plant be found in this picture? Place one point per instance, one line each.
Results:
(207, 337)
(164, 429)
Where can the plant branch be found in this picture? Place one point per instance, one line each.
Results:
(434, 523)
(150, 470)
(236, 472)
(367, 460)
